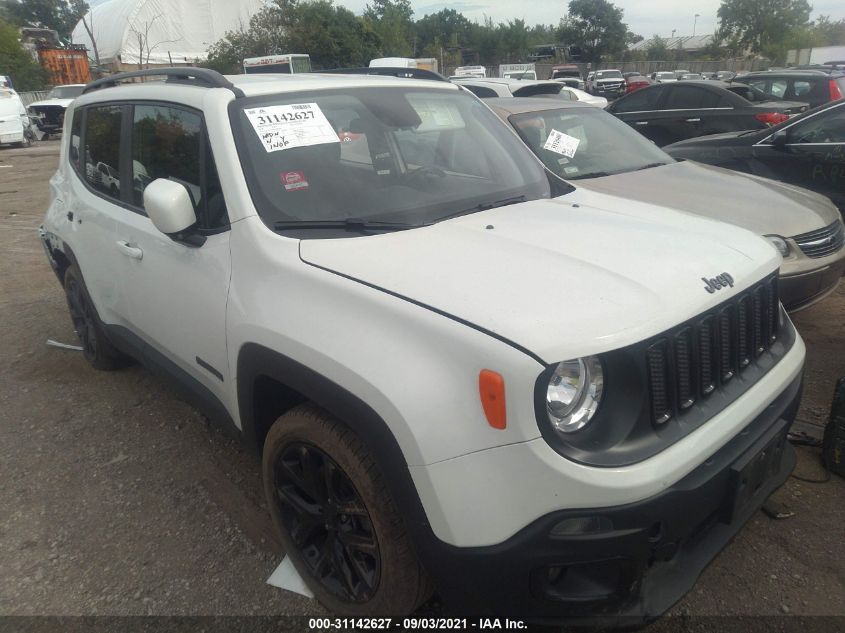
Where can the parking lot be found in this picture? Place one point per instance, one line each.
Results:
(119, 499)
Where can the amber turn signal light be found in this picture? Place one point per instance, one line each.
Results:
(491, 388)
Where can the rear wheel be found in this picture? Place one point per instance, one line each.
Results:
(96, 347)
(337, 519)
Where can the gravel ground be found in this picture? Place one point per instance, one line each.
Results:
(117, 499)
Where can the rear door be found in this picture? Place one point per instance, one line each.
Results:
(177, 292)
(640, 110)
(92, 203)
(813, 156)
(691, 110)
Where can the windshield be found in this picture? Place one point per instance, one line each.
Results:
(409, 155)
(65, 92)
(609, 74)
(665, 75)
(586, 142)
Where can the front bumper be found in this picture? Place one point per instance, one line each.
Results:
(609, 93)
(801, 290)
(640, 558)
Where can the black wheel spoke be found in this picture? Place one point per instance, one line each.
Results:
(327, 522)
(312, 477)
(358, 541)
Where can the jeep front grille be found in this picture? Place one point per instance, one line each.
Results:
(694, 362)
(822, 242)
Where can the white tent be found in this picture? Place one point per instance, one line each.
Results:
(161, 31)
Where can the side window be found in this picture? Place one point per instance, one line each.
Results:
(823, 128)
(685, 98)
(75, 138)
(642, 100)
(102, 149)
(169, 142)
(801, 88)
(778, 88)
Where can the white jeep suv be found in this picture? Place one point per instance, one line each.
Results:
(464, 375)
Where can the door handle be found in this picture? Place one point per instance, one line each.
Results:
(640, 122)
(130, 251)
(693, 120)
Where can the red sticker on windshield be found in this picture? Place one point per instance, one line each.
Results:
(293, 180)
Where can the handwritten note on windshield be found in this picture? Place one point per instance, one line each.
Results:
(562, 144)
(287, 126)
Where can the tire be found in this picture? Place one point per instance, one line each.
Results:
(337, 519)
(96, 347)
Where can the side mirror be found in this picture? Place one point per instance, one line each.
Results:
(779, 140)
(169, 206)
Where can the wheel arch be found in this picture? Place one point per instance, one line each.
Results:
(270, 383)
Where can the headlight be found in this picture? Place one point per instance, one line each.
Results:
(779, 243)
(574, 393)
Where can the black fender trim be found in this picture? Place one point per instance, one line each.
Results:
(256, 361)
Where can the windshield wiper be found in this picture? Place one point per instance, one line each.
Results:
(650, 165)
(484, 206)
(348, 224)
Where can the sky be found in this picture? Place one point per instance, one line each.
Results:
(645, 18)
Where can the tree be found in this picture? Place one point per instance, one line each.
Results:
(657, 49)
(59, 15)
(332, 36)
(87, 18)
(762, 26)
(141, 32)
(16, 61)
(596, 27)
(392, 21)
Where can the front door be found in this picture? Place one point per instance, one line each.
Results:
(813, 155)
(177, 292)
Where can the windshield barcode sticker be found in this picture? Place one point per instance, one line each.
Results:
(288, 126)
(562, 144)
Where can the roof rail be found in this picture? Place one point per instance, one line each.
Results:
(407, 73)
(202, 77)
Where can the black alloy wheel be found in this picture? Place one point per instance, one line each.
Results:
(328, 522)
(83, 318)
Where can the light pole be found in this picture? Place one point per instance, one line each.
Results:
(694, 22)
(673, 32)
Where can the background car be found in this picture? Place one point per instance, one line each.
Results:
(664, 77)
(609, 84)
(610, 158)
(667, 113)
(691, 77)
(14, 122)
(808, 150)
(635, 82)
(492, 87)
(813, 87)
(49, 114)
(572, 82)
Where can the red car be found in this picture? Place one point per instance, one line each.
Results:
(635, 82)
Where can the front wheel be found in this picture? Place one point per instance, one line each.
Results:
(337, 519)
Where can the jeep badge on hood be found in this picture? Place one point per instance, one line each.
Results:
(718, 282)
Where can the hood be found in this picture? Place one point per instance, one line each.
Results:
(610, 80)
(580, 274)
(758, 204)
(64, 103)
(724, 138)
